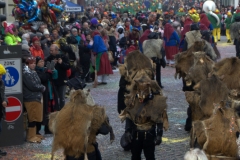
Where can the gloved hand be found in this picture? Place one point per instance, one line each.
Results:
(128, 136)
(52, 65)
(48, 66)
(158, 140)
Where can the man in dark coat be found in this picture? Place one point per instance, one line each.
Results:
(62, 65)
(3, 102)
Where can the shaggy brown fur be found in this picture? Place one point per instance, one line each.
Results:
(211, 134)
(142, 86)
(154, 111)
(203, 65)
(193, 99)
(212, 90)
(228, 70)
(135, 62)
(184, 60)
(76, 125)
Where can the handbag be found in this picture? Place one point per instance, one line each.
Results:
(110, 56)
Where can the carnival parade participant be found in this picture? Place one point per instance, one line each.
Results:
(172, 41)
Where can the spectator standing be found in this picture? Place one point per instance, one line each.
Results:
(46, 43)
(36, 49)
(11, 37)
(32, 94)
(61, 65)
(50, 99)
(3, 102)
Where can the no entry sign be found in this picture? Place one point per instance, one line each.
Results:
(13, 110)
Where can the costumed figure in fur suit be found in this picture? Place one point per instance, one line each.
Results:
(80, 120)
(234, 32)
(146, 107)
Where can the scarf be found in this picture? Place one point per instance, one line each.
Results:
(168, 31)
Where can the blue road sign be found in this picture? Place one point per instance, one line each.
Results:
(11, 77)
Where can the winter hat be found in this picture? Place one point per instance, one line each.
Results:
(94, 21)
(2, 70)
(45, 31)
(38, 59)
(25, 47)
(35, 39)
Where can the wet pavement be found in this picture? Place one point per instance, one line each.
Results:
(175, 140)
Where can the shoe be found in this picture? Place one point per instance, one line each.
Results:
(161, 86)
(31, 135)
(229, 41)
(2, 153)
(219, 40)
(104, 83)
(114, 68)
(39, 136)
(89, 81)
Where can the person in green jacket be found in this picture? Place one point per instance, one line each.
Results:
(12, 37)
(227, 25)
(236, 14)
(217, 28)
(213, 21)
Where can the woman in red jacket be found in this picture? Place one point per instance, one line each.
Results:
(36, 49)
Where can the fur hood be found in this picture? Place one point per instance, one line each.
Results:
(152, 48)
(208, 49)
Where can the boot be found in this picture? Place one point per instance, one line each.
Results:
(31, 135)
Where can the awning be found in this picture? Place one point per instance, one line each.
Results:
(72, 7)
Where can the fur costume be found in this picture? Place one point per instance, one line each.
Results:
(185, 60)
(135, 66)
(227, 70)
(193, 99)
(212, 90)
(203, 65)
(152, 48)
(154, 111)
(192, 36)
(210, 134)
(195, 154)
(65, 126)
(234, 30)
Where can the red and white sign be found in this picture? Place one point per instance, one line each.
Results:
(13, 110)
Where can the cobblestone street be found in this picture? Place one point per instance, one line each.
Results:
(175, 140)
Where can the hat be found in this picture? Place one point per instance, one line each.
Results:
(25, 47)
(38, 59)
(94, 21)
(153, 35)
(135, 29)
(194, 27)
(35, 39)
(30, 60)
(45, 31)
(2, 70)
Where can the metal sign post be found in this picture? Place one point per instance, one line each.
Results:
(12, 126)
